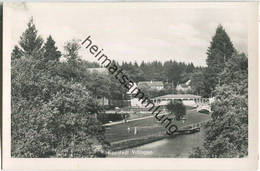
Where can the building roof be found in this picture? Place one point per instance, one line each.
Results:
(99, 70)
(185, 85)
(150, 83)
(177, 96)
(188, 82)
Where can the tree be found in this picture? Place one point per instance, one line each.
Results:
(116, 90)
(72, 51)
(236, 70)
(51, 51)
(30, 42)
(174, 71)
(190, 68)
(51, 115)
(221, 49)
(146, 89)
(227, 132)
(177, 108)
(54, 114)
(99, 85)
(197, 83)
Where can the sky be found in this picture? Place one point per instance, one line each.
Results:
(135, 31)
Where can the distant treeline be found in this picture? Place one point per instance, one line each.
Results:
(169, 71)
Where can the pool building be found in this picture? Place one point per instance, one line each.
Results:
(187, 99)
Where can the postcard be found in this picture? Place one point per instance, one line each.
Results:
(130, 86)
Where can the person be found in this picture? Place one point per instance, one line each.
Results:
(128, 129)
(135, 131)
(125, 120)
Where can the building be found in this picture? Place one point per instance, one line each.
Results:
(133, 102)
(155, 85)
(98, 70)
(184, 87)
(136, 102)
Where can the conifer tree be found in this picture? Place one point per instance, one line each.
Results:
(219, 52)
(30, 42)
(51, 51)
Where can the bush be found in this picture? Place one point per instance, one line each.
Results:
(177, 108)
(106, 117)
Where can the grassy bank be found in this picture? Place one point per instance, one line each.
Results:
(148, 130)
(130, 143)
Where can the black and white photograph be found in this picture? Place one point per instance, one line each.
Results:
(130, 80)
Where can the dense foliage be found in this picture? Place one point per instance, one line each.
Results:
(177, 108)
(227, 132)
(53, 112)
